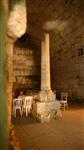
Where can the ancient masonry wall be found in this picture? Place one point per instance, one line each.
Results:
(67, 61)
(26, 69)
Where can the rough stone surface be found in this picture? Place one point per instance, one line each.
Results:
(26, 66)
(13, 142)
(44, 111)
(46, 96)
(9, 54)
(17, 21)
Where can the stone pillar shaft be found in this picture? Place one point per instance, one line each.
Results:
(9, 54)
(4, 131)
(45, 64)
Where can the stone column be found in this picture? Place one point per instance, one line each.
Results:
(10, 29)
(46, 92)
(16, 27)
(45, 64)
(9, 61)
(47, 107)
(4, 132)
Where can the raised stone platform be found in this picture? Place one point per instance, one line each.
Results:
(44, 111)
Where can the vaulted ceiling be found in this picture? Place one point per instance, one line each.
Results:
(63, 18)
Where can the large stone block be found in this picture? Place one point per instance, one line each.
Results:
(45, 111)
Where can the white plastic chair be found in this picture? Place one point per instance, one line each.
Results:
(27, 105)
(63, 101)
(17, 105)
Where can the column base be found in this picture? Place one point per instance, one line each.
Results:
(46, 96)
(45, 111)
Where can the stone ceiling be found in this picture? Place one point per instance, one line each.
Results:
(63, 18)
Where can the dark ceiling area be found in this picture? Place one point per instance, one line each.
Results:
(26, 41)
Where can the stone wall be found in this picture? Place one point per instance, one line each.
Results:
(67, 61)
(26, 68)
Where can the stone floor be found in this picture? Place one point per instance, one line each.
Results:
(62, 134)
